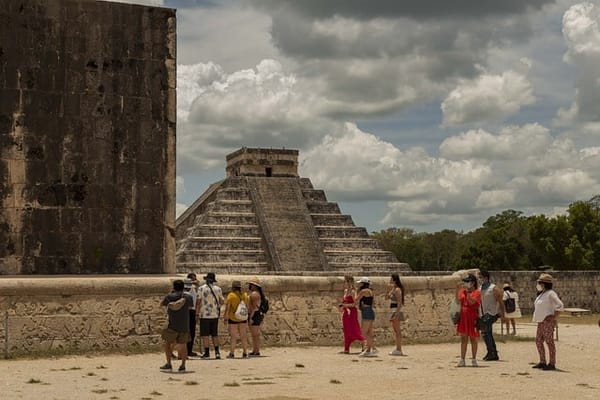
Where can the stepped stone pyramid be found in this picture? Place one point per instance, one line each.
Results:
(264, 218)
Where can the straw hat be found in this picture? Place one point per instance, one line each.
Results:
(254, 282)
(506, 286)
(544, 277)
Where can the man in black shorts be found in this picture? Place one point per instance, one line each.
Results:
(178, 304)
(208, 306)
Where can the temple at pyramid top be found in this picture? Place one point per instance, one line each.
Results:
(262, 162)
(265, 218)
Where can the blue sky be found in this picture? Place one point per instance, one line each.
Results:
(422, 114)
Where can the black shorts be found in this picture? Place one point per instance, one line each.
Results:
(256, 319)
(209, 327)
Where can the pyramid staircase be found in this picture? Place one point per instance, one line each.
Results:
(253, 225)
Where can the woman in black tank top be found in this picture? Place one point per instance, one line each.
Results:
(365, 303)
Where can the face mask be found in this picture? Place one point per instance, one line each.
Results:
(539, 287)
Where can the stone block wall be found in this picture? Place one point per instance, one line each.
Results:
(580, 289)
(67, 314)
(87, 137)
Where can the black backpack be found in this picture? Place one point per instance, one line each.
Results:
(264, 305)
(509, 304)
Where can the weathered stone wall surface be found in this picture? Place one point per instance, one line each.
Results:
(577, 289)
(87, 137)
(66, 314)
(580, 289)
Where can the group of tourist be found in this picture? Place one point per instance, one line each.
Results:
(362, 298)
(482, 303)
(189, 302)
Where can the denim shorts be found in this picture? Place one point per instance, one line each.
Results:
(368, 314)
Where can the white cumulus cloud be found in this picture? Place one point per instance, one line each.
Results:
(487, 98)
(513, 142)
(581, 31)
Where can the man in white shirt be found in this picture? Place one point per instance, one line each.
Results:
(210, 300)
(492, 308)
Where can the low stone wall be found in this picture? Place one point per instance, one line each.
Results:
(576, 288)
(77, 314)
(580, 289)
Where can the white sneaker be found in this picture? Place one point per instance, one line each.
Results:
(395, 352)
(461, 363)
(371, 354)
(474, 363)
(374, 351)
(363, 353)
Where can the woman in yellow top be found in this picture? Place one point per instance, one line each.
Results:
(236, 324)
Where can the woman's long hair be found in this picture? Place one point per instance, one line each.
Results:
(259, 290)
(398, 283)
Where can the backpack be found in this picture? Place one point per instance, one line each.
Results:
(264, 305)
(509, 304)
(241, 312)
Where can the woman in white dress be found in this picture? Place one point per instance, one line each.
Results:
(509, 296)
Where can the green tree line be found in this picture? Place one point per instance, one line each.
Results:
(506, 241)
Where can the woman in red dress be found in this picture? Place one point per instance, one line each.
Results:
(469, 297)
(349, 313)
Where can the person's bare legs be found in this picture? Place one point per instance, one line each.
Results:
(464, 340)
(168, 351)
(215, 342)
(233, 337)
(474, 342)
(367, 328)
(398, 334)
(514, 326)
(243, 338)
(255, 333)
(182, 352)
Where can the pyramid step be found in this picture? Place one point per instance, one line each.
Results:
(332, 219)
(350, 243)
(341, 232)
(230, 218)
(305, 183)
(224, 230)
(233, 206)
(373, 256)
(314, 195)
(233, 193)
(221, 243)
(369, 267)
(221, 256)
(222, 268)
(319, 207)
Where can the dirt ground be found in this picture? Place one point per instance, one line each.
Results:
(294, 373)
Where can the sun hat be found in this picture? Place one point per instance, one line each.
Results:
(544, 277)
(236, 284)
(254, 282)
(506, 286)
(364, 279)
